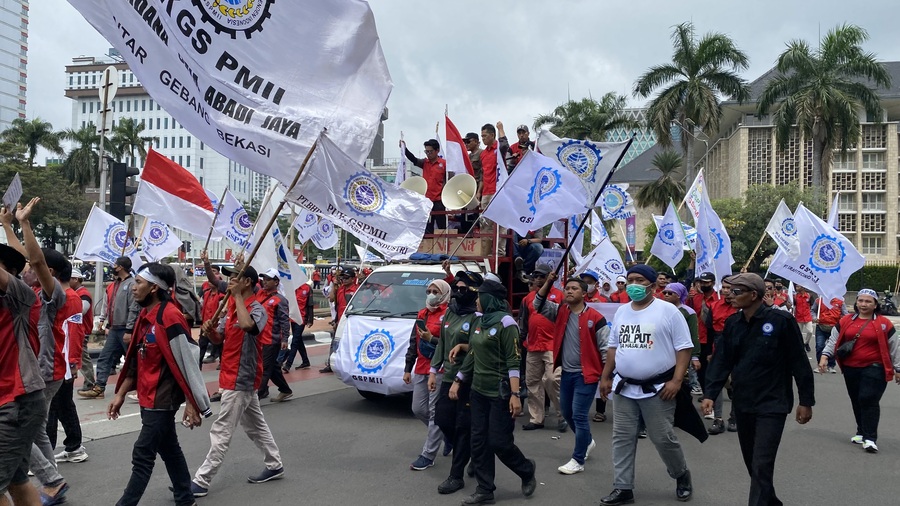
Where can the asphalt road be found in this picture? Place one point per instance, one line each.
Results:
(341, 449)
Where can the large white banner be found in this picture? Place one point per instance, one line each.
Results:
(372, 352)
(590, 161)
(256, 80)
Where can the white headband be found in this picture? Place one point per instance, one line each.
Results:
(150, 278)
(869, 292)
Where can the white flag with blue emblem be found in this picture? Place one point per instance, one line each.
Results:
(669, 243)
(695, 195)
(325, 236)
(539, 192)
(590, 161)
(713, 244)
(616, 203)
(104, 239)
(605, 260)
(273, 253)
(233, 222)
(158, 240)
(783, 230)
(389, 218)
(690, 233)
(598, 231)
(306, 223)
(826, 259)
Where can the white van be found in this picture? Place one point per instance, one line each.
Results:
(373, 336)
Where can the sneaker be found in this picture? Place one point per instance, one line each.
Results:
(732, 425)
(78, 455)
(710, 416)
(857, 439)
(869, 446)
(697, 390)
(718, 427)
(96, 392)
(618, 496)
(642, 434)
(422, 463)
(133, 396)
(58, 498)
(325, 369)
(563, 425)
(197, 490)
(684, 489)
(590, 448)
(571, 467)
(304, 365)
(451, 485)
(282, 396)
(832, 370)
(267, 475)
(216, 397)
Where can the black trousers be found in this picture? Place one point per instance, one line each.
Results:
(759, 435)
(157, 436)
(297, 345)
(63, 411)
(436, 221)
(454, 420)
(214, 349)
(705, 351)
(865, 386)
(271, 370)
(492, 434)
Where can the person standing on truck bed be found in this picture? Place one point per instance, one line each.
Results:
(434, 171)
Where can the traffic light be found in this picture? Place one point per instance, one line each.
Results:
(120, 188)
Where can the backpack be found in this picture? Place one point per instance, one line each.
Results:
(187, 298)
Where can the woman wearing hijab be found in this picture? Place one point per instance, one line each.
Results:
(868, 364)
(452, 415)
(676, 294)
(422, 343)
(493, 366)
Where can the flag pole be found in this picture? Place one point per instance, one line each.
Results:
(215, 218)
(127, 234)
(594, 201)
(750, 258)
(137, 240)
(272, 220)
(256, 222)
(627, 249)
(78, 244)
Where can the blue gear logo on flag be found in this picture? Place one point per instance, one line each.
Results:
(374, 351)
(717, 244)
(364, 194)
(232, 16)
(158, 233)
(581, 157)
(309, 220)
(284, 270)
(667, 234)
(704, 248)
(614, 200)
(116, 237)
(546, 182)
(326, 229)
(827, 254)
(788, 228)
(614, 266)
(240, 222)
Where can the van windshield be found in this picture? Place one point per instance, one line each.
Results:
(394, 294)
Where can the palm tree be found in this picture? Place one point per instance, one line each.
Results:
(669, 186)
(32, 134)
(587, 118)
(690, 86)
(82, 165)
(822, 90)
(127, 139)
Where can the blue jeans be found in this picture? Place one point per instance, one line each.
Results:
(113, 350)
(821, 339)
(575, 399)
(530, 255)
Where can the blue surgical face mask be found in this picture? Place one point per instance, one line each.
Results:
(637, 292)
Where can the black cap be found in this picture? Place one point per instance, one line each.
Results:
(249, 273)
(124, 262)
(522, 128)
(707, 276)
(540, 271)
(471, 136)
(472, 279)
(348, 272)
(12, 259)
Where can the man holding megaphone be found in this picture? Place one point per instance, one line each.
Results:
(434, 170)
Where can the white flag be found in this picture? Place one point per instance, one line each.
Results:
(782, 229)
(826, 259)
(713, 246)
(669, 243)
(616, 203)
(690, 233)
(326, 236)
(104, 239)
(233, 222)
(366, 256)
(389, 218)
(539, 192)
(598, 231)
(695, 195)
(605, 260)
(833, 216)
(401, 165)
(158, 241)
(13, 194)
(256, 80)
(273, 253)
(502, 173)
(592, 162)
(306, 224)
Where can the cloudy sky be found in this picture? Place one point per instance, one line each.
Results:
(505, 60)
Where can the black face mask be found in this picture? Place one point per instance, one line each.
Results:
(706, 289)
(464, 296)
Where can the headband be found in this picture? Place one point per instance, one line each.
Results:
(869, 292)
(150, 278)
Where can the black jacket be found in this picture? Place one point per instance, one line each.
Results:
(762, 355)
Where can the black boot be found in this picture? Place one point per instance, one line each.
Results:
(683, 487)
(618, 496)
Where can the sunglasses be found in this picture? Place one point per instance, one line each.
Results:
(739, 291)
(459, 289)
(669, 292)
(620, 282)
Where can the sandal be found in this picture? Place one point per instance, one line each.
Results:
(599, 417)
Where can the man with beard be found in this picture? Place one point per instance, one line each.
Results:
(517, 150)
(160, 366)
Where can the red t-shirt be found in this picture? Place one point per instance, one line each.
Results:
(867, 350)
(696, 303)
(721, 310)
(270, 302)
(433, 321)
(595, 297)
(435, 173)
(316, 276)
(303, 293)
(620, 297)
(87, 322)
(802, 310)
(18, 342)
(73, 327)
(342, 298)
(830, 315)
(489, 169)
(540, 329)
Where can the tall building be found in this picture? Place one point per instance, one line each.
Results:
(644, 138)
(13, 60)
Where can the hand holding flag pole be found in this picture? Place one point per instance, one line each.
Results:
(272, 220)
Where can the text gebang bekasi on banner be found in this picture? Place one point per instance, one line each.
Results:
(259, 80)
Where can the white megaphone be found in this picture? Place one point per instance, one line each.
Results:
(459, 193)
(416, 184)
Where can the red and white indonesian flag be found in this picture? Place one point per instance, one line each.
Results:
(389, 218)
(104, 239)
(457, 155)
(256, 80)
(172, 195)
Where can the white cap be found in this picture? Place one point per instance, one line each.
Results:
(270, 273)
(493, 277)
(76, 273)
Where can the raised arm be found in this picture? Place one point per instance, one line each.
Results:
(33, 249)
